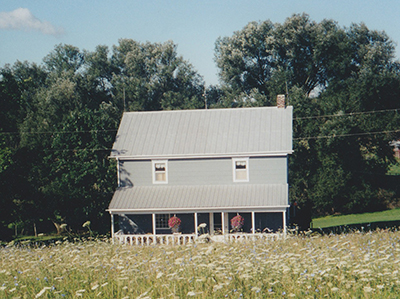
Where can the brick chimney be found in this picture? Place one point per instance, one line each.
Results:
(280, 101)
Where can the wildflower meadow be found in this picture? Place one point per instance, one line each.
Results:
(353, 265)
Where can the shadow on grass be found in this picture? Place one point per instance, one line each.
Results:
(361, 227)
(39, 241)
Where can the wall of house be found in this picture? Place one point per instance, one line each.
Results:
(271, 170)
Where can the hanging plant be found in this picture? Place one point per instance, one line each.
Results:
(174, 223)
(237, 222)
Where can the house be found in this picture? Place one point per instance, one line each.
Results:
(204, 166)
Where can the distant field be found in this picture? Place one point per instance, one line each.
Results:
(330, 221)
(395, 168)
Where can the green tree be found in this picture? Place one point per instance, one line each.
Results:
(153, 77)
(337, 79)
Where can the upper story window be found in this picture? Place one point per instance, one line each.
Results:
(160, 172)
(240, 169)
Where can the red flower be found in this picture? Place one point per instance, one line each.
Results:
(174, 221)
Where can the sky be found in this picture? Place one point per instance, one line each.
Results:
(29, 30)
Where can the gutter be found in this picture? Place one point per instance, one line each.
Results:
(203, 209)
(202, 156)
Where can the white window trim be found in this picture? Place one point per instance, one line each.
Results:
(234, 160)
(153, 167)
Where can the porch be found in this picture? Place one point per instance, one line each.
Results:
(152, 229)
(140, 215)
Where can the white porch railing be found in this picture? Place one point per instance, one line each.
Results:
(236, 237)
(182, 239)
(174, 239)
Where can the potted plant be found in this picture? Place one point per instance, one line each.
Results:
(237, 223)
(174, 223)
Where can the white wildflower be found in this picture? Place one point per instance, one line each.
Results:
(368, 289)
(86, 224)
(42, 292)
(217, 287)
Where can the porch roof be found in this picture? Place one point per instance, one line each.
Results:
(211, 198)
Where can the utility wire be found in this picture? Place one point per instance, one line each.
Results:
(57, 132)
(115, 130)
(346, 114)
(294, 139)
(346, 135)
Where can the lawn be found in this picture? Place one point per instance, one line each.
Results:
(355, 265)
(395, 168)
(331, 221)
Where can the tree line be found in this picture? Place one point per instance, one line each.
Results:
(59, 119)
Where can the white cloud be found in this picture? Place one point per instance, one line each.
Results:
(23, 19)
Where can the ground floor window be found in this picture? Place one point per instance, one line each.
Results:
(162, 220)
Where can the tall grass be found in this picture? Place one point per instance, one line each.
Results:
(356, 265)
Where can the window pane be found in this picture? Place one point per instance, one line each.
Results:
(240, 164)
(162, 220)
(241, 175)
(160, 166)
(160, 177)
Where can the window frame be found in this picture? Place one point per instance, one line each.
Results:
(154, 172)
(235, 170)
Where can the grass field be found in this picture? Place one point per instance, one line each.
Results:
(356, 265)
(330, 221)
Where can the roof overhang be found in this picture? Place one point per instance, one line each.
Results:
(189, 199)
(201, 156)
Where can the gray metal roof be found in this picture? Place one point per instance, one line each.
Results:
(159, 199)
(212, 132)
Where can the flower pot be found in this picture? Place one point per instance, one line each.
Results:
(175, 229)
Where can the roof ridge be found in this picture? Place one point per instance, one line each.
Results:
(203, 110)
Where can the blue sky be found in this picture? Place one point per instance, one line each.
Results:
(29, 30)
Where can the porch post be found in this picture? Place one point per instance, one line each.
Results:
(112, 227)
(253, 222)
(118, 174)
(153, 218)
(195, 223)
(284, 223)
(211, 222)
(223, 222)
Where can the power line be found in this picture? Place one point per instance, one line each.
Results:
(295, 139)
(346, 114)
(79, 150)
(115, 130)
(346, 135)
(57, 132)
